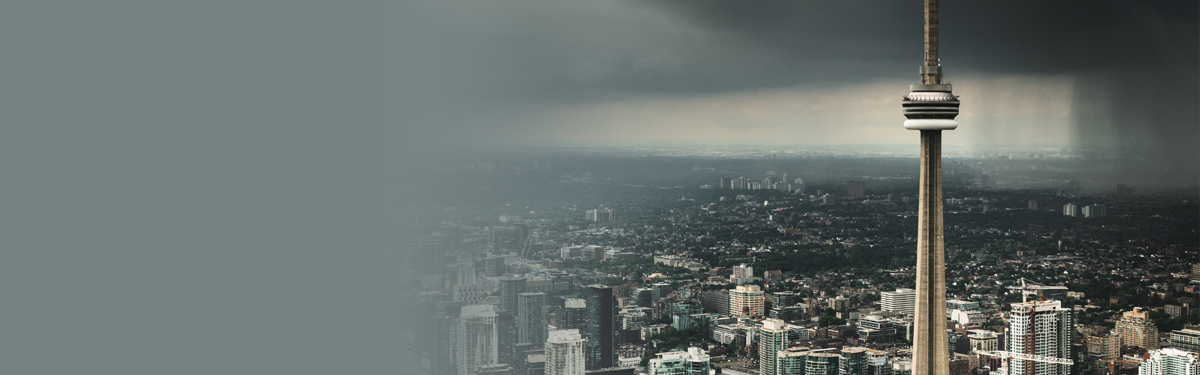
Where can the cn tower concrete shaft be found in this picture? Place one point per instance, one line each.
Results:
(931, 354)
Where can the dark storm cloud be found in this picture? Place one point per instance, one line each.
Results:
(1132, 64)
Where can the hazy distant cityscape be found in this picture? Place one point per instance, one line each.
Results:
(697, 261)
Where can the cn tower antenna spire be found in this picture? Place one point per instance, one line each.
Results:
(931, 73)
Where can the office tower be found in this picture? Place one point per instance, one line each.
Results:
(1187, 340)
(902, 301)
(600, 331)
(715, 301)
(694, 361)
(509, 289)
(773, 337)
(531, 319)
(853, 361)
(1195, 273)
(930, 107)
(507, 330)
(1136, 329)
(573, 315)
(726, 182)
(478, 342)
(854, 189)
(821, 363)
(564, 353)
(1040, 328)
(1170, 362)
(746, 300)
(1032, 205)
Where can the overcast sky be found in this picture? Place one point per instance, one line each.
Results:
(1091, 75)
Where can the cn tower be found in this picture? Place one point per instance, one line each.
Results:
(930, 107)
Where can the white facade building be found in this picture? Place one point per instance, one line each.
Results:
(1170, 362)
(564, 353)
(694, 361)
(1046, 329)
(903, 300)
(477, 338)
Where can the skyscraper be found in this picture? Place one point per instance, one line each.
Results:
(930, 107)
(531, 319)
(573, 315)
(1041, 328)
(1170, 362)
(477, 339)
(600, 331)
(564, 353)
(773, 337)
(509, 289)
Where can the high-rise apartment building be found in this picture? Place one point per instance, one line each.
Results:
(821, 363)
(877, 363)
(1170, 362)
(601, 328)
(1136, 329)
(531, 319)
(790, 361)
(509, 289)
(508, 351)
(772, 338)
(902, 301)
(694, 361)
(746, 300)
(1187, 340)
(600, 215)
(478, 342)
(565, 353)
(853, 361)
(1042, 328)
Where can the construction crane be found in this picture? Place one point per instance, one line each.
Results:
(1113, 362)
(529, 241)
(1009, 356)
(1028, 288)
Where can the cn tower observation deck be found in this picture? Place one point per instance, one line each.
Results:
(930, 107)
